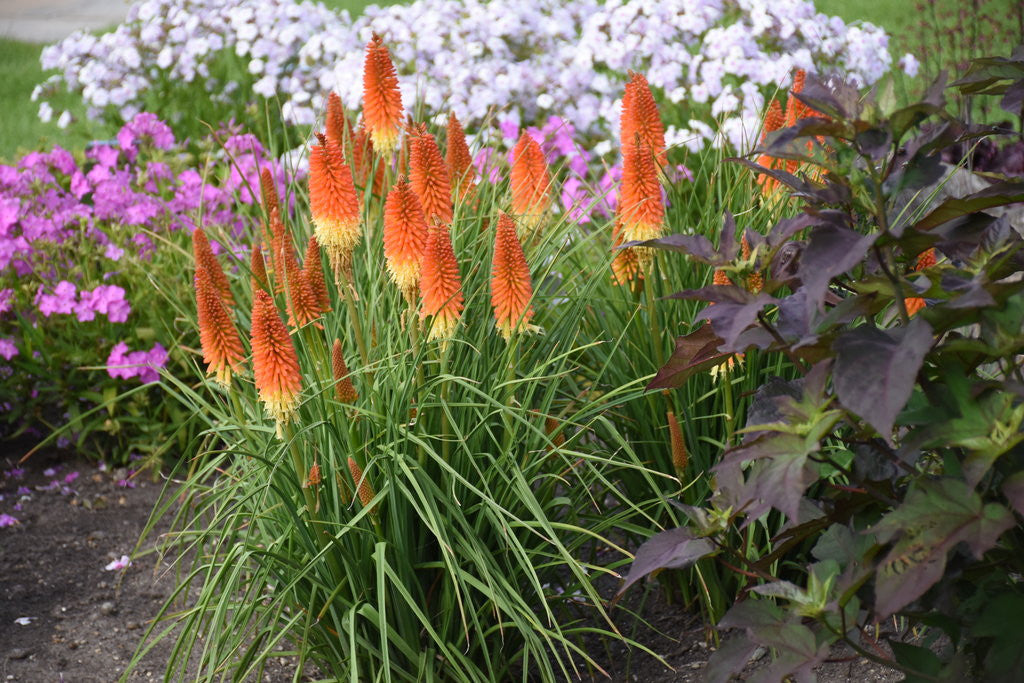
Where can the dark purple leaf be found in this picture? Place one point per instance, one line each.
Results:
(779, 480)
(1000, 194)
(838, 99)
(787, 227)
(694, 352)
(1013, 489)
(934, 517)
(873, 142)
(733, 309)
(729, 659)
(1013, 100)
(876, 370)
(831, 251)
(727, 240)
(696, 246)
(672, 549)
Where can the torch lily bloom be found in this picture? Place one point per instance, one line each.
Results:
(222, 348)
(440, 285)
(511, 289)
(365, 490)
(641, 209)
(405, 237)
(336, 123)
(275, 364)
(429, 176)
(625, 263)
(382, 100)
(303, 303)
(530, 183)
(258, 269)
(640, 118)
(458, 159)
(313, 273)
(680, 457)
(333, 203)
(205, 259)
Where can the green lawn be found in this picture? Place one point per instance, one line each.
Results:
(20, 128)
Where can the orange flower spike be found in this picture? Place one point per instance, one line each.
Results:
(268, 188)
(641, 209)
(313, 273)
(382, 100)
(680, 457)
(720, 278)
(511, 289)
(275, 365)
(314, 475)
(795, 109)
(366, 493)
(222, 348)
(926, 259)
(258, 269)
(333, 203)
(640, 117)
(280, 243)
(363, 163)
(303, 306)
(205, 259)
(405, 237)
(440, 285)
(530, 182)
(429, 176)
(458, 158)
(344, 390)
(336, 123)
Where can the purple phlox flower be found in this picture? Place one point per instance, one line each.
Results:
(15, 473)
(62, 160)
(244, 145)
(509, 130)
(7, 349)
(679, 172)
(483, 162)
(79, 184)
(144, 127)
(113, 252)
(142, 364)
(109, 300)
(142, 210)
(575, 199)
(105, 156)
(61, 301)
(10, 207)
(6, 520)
(122, 563)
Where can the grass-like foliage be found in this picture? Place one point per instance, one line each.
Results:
(895, 461)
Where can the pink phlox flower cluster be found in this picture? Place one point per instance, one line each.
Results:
(142, 364)
(144, 128)
(6, 520)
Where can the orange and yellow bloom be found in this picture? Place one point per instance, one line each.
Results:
(440, 285)
(382, 100)
(530, 183)
(641, 208)
(511, 289)
(205, 259)
(640, 117)
(222, 348)
(429, 176)
(333, 203)
(405, 237)
(275, 364)
(344, 390)
(458, 159)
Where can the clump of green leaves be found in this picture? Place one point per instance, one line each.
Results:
(896, 459)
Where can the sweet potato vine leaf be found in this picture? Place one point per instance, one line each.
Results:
(672, 549)
(694, 352)
(934, 517)
(876, 370)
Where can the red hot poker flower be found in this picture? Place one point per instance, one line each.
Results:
(222, 348)
(440, 285)
(405, 237)
(344, 390)
(530, 183)
(336, 123)
(458, 158)
(333, 203)
(382, 100)
(511, 289)
(313, 273)
(641, 209)
(275, 364)
(429, 176)
(640, 117)
(205, 259)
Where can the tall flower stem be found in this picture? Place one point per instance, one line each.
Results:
(652, 314)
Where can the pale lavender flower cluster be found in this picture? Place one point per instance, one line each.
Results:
(714, 60)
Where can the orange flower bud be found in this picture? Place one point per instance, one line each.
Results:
(382, 100)
(641, 208)
(314, 475)
(440, 285)
(679, 454)
(511, 289)
(336, 124)
(222, 348)
(313, 273)
(530, 183)
(333, 203)
(405, 237)
(344, 390)
(640, 118)
(205, 259)
(429, 176)
(269, 191)
(275, 364)
(303, 303)
(364, 163)
(258, 269)
(720, 278)
(458, 158)
(366, 493)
